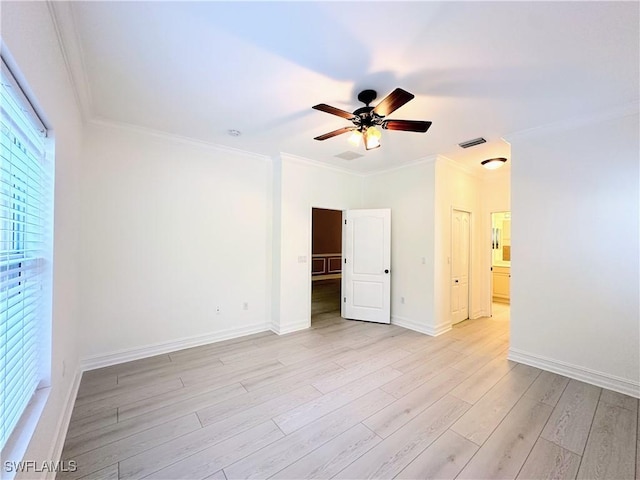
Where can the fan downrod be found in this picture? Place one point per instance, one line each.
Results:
(367, 96)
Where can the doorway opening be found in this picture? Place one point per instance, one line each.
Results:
(326, 263)
(500, 263)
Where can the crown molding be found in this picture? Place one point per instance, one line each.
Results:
(631, 108)
(461, 168)
(71, 49)
(316, 163)
(420, 161)
(176, 138)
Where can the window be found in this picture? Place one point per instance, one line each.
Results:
(25, 254)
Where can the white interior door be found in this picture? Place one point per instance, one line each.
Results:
(460, 265)
(366, 276)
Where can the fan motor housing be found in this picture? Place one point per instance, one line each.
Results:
(367, 96)
(363, 111)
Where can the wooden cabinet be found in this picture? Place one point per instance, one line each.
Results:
(501, 284)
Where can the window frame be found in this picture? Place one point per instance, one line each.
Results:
(18, 439)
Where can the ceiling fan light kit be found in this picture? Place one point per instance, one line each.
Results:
(355, 138)
(366, 119)
(493, 163)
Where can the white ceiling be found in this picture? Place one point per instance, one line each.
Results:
(198, 69)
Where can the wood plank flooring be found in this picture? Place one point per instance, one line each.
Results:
(349, 400)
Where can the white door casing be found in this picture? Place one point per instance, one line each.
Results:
(366, 275)
(460, 245)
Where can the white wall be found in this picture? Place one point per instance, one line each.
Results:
(170, 231)
(460, 190)
(575, 262)
(409, 192)
(496, 191)
(30, 38)
(303, 186)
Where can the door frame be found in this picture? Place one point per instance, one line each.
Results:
(490, 232)
(470, 303)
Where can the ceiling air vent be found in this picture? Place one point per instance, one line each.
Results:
(472, 143)
(349, 155)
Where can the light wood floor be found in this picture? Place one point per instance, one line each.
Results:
(352, 400)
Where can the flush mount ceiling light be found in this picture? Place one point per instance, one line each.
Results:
(493, 163)
(366, 119)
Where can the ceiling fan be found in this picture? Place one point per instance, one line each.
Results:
(366, 119)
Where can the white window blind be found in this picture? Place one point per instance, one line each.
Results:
(25, 217)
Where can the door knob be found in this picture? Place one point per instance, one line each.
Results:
(386, 270)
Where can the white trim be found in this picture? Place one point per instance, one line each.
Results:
(64, 24)
(128, 355)
(479, 314)
(19, 93)
(278, 329)
(420, 327)
(18, 442)
(594, 377)
(357, 173)
(17, 446)
(316, 163)
(324, 265)
(334, 270)
(176, 138)
(411, 163)
(63, 424)
(462, 168)
(575, 122)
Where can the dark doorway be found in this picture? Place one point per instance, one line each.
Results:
(326, 263)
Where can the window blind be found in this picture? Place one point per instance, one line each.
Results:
(24, 221)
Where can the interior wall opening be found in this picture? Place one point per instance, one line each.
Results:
(500, 263)
(326, 263)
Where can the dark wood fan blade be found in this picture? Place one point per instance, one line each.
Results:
(323, 107)
(392, 102)
(340, 131)
(406, 125)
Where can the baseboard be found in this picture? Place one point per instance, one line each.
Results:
(479, 314)
(599, 379)
(63, 423)
(290, 327)
(419, 327)
(129, 355)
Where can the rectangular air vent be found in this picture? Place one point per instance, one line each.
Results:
(472, 143)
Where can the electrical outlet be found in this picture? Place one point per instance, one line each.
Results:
(245, 306)
(402, 300)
